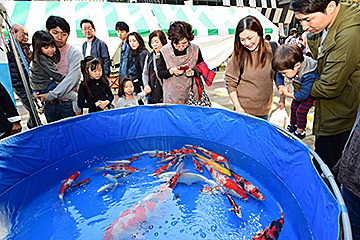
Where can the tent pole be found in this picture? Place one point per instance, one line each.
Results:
(15, 46)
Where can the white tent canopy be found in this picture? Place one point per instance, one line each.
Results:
(214, 26)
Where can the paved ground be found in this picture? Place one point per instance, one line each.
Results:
(219, 98)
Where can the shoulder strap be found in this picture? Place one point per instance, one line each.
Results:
(274, 46)
(155, 69)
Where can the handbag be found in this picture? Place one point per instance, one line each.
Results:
(204, 101)
(114, 76)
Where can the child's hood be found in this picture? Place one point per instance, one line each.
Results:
(308, 65)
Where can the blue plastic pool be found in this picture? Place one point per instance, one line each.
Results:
(34, 163)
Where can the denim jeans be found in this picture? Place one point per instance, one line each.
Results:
(352, 203)
(57, 110)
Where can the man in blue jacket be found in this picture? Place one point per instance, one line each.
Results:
(94, 46)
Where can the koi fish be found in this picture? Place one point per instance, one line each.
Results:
(211, 190)
(215, 156)
(250, 188)
(142, 210)
(125, 161)
(187, 178)
(166, 158)
(215, 165)
(105, 187)
(82, 183)
(227, 183)
(112, 179)
(69, 182)
(105, 168)
(272, 231)
(197, 165)
(164, 168)
(234, 207)
(151, 152)
(173, 152)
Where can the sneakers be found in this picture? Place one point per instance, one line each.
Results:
(300, 135)
(291, 128)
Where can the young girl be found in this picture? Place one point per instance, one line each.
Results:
(127, 96)
(94, 91)
(44, 76)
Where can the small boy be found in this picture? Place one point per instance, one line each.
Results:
(290, 62)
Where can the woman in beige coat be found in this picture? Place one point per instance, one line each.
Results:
(249, 76)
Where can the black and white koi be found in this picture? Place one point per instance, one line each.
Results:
(272, 231)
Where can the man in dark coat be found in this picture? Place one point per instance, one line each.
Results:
(94, 46)
(22, 36)
(9, 117)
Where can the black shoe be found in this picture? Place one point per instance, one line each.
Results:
(291, 128)
(300, 135)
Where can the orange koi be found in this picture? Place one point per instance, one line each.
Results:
(211, 190)
(250, 188)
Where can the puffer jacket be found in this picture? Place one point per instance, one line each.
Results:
(14, 70)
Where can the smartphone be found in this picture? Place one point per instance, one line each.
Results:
(183, 67)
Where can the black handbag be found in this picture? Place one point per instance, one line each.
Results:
(204, 101)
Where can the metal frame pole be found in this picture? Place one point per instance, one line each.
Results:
(15, 46)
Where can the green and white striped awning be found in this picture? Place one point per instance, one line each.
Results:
(211, 24)
(142, 17)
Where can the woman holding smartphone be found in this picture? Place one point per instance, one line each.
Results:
(177, 62)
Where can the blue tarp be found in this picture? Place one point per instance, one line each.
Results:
(31, 151)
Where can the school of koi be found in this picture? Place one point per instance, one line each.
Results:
(218, 167)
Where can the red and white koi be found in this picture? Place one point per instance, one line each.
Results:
(215, 156)
(234, 207)
(69, 182)
(117, 168)
(126, 161)
(227, 183)
(197, 165)
(187, 178)
(142, 210)
(174, 152)
(272, 231)
(82, 183)
(211, 190)
(249, 188)
(164, 168)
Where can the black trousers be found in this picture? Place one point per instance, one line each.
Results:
(329, 149)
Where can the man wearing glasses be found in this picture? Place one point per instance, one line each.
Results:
(58, 104)
(94, 46)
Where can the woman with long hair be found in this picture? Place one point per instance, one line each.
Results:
(136, 59)
(249, 75)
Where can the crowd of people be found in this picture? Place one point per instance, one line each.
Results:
(327, 77)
